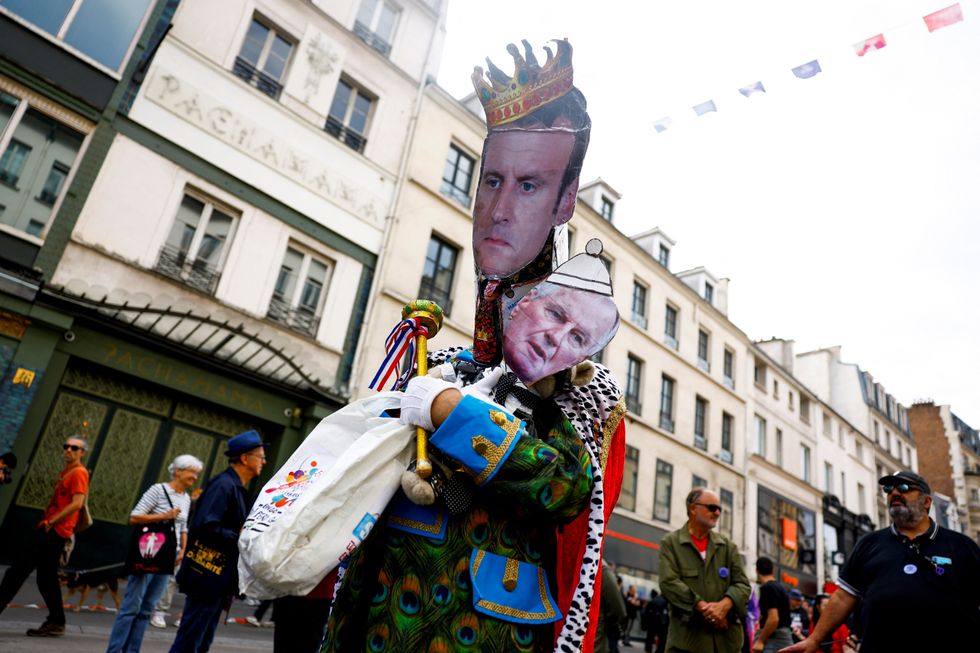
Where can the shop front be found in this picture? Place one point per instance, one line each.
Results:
(788, 536)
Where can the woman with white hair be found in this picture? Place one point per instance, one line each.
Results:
(162, 502)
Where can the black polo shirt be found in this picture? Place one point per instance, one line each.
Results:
(917, 595)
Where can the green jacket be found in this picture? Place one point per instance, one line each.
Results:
(685, 579)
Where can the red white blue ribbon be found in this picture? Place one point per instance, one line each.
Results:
(400, 342)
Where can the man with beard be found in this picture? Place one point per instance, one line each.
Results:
(919, 583)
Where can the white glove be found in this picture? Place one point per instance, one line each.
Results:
(483, 389)
(419, 394)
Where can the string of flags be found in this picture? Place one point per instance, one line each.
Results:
(936, 20)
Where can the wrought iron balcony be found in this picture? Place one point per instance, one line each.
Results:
(298, 319)
(374, 41)
(634, 405)
(257, 78)
(196, 274)
(344, 134)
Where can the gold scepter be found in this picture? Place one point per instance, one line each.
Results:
(429, 316)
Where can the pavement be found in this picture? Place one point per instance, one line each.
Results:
(87, 630)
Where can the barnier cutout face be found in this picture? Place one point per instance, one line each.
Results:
(517, 200)
(555, 327)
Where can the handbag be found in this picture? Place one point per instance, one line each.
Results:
(205, 569)
(153, 546)
(318, 508)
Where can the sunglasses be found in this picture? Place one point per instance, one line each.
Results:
(73, 447)
(901, 487)
(712, 507)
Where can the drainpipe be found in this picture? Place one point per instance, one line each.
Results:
(391, 217)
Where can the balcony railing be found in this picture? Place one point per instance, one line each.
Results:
(700, 442)
(196, 274)
(461, 196)
(257, 78)
(374, 41)
(297, 319)
(344, 134)
(671, 341)
(725, 456)
(634, 405)
(639, 319)
(666, 423)
(729, 382)
(703, 365)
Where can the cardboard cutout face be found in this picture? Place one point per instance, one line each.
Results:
(520, 197)
(555, 327)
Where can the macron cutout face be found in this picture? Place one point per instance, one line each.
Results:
(555, 327)
(517, 199)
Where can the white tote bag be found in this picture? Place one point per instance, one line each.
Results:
(323, 502)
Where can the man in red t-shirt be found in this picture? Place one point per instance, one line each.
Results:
(44, 551)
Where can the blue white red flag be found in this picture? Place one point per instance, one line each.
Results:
(944, 17)
(754, 87)
(807, 70)
(870, 45)
(705, 107)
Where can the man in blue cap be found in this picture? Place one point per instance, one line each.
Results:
(209, 574)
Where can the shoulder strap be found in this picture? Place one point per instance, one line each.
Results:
(163, 486)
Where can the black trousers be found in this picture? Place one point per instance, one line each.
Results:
(43, 554)
(300, 624)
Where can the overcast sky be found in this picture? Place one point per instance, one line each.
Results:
(844, 208)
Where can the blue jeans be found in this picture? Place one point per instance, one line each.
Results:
(142, 593)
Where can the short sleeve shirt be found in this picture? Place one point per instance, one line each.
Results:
(932, 582)
(772, 595)
(71, 481)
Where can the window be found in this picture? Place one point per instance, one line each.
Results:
(974, 495)
(103, 30)
(789, 402)
(877, 433)
(597, 357)
(709, 293)
(661, 491)
(726, 437)
(861, 508)
(349, 113)
(858, 449)
(263, 58)
(627, 496)
(297, 299)
(195, 250)
(827, 428)
(375, 24)
(457, 176)
(667, 403)
(700, 426)
(760, 436)
(727, 506)
(37, 155)
(670, 327)
(775, 389)
(805, 463)
(439, 273)
(805, 409)
(828, 478)
(608, 262)
(759, 374)
(779, 447)
(664, 256)
(634, 379)
(606, 209)
(728, 369)
(704, 341)
(639, 312)
(697, 481)
(843, 488)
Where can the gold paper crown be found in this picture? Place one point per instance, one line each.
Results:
(506, 99)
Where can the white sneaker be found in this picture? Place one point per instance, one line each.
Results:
(252, 620)
(177, 623)
(157, 620)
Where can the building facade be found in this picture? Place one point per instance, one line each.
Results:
(213, 274)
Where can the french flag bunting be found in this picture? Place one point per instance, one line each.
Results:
(944, 17)
(754, 87)
(807, 70)
(705, 107)
(870, 45)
